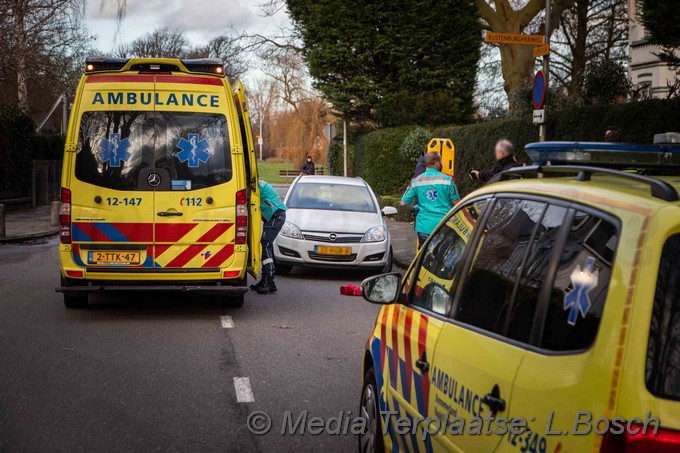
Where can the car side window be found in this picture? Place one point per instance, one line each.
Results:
(578, 295)
(663, 350)
(435, 278)
(487, 292)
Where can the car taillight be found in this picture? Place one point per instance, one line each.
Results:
(664, 441)
(241, 217)
(65, 216)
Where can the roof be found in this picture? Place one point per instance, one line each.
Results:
(330, 180)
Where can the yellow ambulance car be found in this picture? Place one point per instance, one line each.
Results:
(159, 182)
(548, 321)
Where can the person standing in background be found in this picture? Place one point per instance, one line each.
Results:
(434, 192)
(274, 216)
(505, 160)
(613, 135)
(307, 168)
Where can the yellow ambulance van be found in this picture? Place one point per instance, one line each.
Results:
(159, 182)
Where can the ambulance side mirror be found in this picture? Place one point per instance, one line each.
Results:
(381, 289)
(389, 210)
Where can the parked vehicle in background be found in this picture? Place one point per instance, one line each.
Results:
(159, 182)
(334, 221)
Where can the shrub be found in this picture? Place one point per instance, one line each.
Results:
(386, 158)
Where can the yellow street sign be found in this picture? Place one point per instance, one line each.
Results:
(512, 38)
(541, 50)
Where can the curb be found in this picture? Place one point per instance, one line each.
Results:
(401, 262)
(29, 237)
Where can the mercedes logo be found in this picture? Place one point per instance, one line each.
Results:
(332, 237)
(153, 179)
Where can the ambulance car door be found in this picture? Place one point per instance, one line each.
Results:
(112, 204)
(420, 321)
(250, 160)
(195, 210)
(481, 349)
(568, 371)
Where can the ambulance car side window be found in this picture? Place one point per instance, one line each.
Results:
(580, 288)
(488, 287)
(663, 349)
(441, 258)
(113, 147)
(194, 147)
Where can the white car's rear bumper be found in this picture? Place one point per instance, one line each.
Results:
(301, 252)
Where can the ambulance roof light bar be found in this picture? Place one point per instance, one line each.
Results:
(660, 189)
(611, 155)
(214, 66)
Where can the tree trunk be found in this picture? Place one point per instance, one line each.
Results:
(20, 35)
(518, 66)
(578, 51)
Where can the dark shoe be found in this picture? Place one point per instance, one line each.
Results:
(268, 286)
(257, 285)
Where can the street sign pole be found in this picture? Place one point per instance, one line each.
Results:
(260, 140)
(344, 146)
(542, 131)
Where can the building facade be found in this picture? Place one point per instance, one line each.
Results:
(645, 69)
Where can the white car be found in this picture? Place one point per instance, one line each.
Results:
(333, 222)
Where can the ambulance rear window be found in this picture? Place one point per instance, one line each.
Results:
(663, 348)
(115, 146)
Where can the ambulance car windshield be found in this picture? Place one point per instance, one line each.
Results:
(189, 150)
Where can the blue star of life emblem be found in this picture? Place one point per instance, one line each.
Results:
(432, 194)
(114, 150)
(194, 151)
(577, 300)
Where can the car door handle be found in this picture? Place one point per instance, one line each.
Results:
(494, 400)
(169, 213)
(422, 364)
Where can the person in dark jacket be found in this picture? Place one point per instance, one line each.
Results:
(505, 160)
(307, 168)
(420, 166)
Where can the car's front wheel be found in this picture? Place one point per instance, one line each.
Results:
(371, 440)
(388, 265)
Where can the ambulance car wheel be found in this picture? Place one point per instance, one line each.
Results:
(232, 302)
(283, 269)
(371, 441)
(71, 301)
(75, 301)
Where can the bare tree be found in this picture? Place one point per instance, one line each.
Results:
(228, 50)
(37, 27)
(162, 42)
(590, 31)
(518, 16)
(263, 96)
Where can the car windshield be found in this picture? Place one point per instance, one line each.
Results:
(115, 146)
(331, 197)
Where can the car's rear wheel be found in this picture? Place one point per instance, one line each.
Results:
(371, 440)
(282, 269)
(71, 300)
(233, 302)
(75, 301)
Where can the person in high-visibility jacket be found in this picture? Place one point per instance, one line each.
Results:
(434, 193)
(274, 216)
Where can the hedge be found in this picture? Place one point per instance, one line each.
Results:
(378, 158)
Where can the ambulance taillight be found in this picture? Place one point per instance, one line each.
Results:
(241, 217)
(65, 216)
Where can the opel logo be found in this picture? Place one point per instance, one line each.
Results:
(332, 237)
(153, 179)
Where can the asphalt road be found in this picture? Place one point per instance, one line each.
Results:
(157, 373)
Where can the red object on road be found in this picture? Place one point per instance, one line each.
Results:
(350, 290)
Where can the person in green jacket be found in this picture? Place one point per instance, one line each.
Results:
(274, 216)
(431, 196)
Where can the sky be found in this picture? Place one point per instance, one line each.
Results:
(201, 20)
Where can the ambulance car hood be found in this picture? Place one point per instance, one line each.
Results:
(330, 221)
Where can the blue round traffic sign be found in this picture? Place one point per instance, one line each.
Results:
(538, 90)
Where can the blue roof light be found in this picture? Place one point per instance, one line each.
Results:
(619, 155)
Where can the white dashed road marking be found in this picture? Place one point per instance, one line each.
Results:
(244, 393)
(227, 322)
